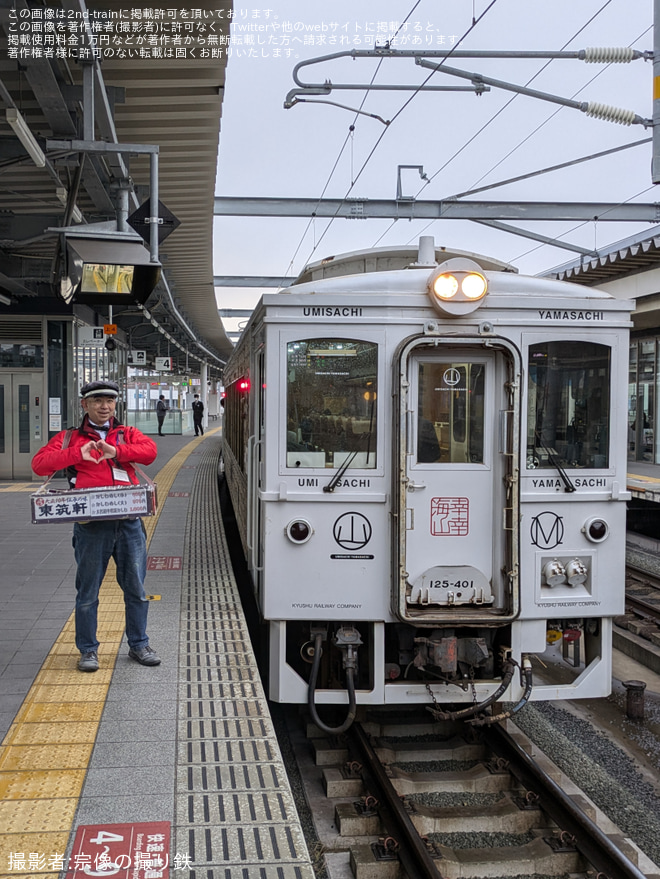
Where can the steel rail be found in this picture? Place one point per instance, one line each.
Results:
(650, 578)
(596, 846)
(650, 612)
(639, 606)
(412, 852)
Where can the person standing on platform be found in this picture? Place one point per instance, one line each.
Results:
(161, 412)
(101, 452)
(198, 415)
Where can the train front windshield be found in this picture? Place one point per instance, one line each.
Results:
(568, 405)
(331, 403)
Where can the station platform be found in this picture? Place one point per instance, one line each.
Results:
(175, 766)
(643, 481)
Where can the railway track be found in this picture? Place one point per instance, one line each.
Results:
(642, 603)
(444, 800)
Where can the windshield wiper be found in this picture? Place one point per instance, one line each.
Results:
(340, 472)
(554, 460)
(330, 487)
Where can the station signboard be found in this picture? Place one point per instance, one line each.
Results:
(137, 358)
(91, 336)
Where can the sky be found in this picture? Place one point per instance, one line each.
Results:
(460, 139)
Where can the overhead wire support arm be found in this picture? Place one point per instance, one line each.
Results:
(591, 108)
(479, 83)
(594, 55)
(328, 87)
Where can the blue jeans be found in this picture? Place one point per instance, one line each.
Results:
(94, 543)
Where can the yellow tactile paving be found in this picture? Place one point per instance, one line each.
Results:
(56, 712)
(67, 756)
(36, 816)
(44, 756)
(49, 692)
(44, 842)
(32, 876)
(50, 734)
(41, 784)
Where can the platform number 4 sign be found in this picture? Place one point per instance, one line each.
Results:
(163, 364)
(123, 851)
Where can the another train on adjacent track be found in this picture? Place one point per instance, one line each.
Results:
(426, 456)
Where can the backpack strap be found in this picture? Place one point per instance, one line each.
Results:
(136, 467)
(65, 445)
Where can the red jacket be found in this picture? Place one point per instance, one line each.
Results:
(134, 447)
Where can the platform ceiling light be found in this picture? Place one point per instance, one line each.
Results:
(457, 286)
(23, 133)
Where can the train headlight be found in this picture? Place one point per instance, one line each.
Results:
(457, 286)
(474, 285)
(445, 286)
(299, 531)
(596, 530)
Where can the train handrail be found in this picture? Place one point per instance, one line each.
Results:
(252, 501)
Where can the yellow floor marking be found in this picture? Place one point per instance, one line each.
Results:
(640, 480)
(45, 754)
(21, 486)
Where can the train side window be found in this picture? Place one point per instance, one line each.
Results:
(331, 403)
(450, 412)
(568, 411)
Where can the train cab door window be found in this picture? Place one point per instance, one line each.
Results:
(332, 398)
(568, 410)
(450, 412)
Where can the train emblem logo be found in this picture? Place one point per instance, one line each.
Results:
(547, 530)
(451, 376)
(450, 516)
(352, 531)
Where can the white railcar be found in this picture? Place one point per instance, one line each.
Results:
(426, 454)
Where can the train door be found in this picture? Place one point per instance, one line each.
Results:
(459, 418)
(20, 423)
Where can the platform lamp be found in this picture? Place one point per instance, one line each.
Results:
(23, 133)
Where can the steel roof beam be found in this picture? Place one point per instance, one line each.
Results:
(251, 281)
(354, 208)
(544, 239)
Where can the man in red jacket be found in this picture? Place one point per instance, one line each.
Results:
(99, 453)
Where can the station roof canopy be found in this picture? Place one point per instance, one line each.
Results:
(160, 83)
(639, 253)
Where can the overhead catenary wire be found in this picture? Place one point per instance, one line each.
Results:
(590, 55)
(556, 112)
(473, 138)
(348, 139)
(585, 223)
(406, 103)
(508, 104)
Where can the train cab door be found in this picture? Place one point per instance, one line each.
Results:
(459, 422)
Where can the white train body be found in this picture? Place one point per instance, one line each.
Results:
(439, 483)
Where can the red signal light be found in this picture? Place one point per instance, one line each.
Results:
(244, 385)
